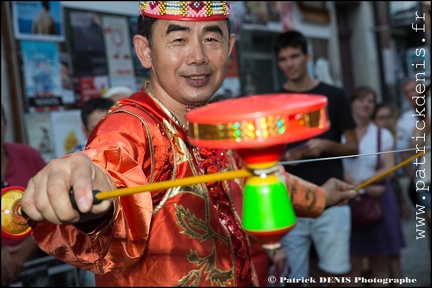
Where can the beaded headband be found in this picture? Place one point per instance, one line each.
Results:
(186, 10)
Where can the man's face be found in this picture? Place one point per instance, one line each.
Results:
(189, 59)
(293, 63)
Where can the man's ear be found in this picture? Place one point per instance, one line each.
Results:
(142, 49)
(232, 40)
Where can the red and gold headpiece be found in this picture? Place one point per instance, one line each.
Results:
(186, 10)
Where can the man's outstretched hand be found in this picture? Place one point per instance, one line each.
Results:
(338, 192)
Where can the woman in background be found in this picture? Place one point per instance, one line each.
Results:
(385, 116)
(385, 239)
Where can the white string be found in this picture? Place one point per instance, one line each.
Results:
(348, 156)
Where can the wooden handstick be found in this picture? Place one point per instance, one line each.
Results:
(387, 172)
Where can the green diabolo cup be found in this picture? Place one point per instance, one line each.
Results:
(267, 209)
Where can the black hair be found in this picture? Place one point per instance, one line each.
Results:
(292, 39)
(94, 104)
(144, 27)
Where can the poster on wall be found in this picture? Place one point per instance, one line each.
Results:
(68, 94)
(66, 130)
(274, 11)
(287, 15)
(404, 13)
(91, 87)
(38, 129)
(256, 12)
(38, 20)
(41, 71)
(87, 43)
(238, 14)
(118, 49)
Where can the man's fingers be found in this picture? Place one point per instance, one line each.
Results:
(346, 196)
(27, 202)
(83, 178)
(48, 195)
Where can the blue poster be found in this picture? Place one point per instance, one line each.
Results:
(42, 73)
(38, 20)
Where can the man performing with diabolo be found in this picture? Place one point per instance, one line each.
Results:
(160, 226)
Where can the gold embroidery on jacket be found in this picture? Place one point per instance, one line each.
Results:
(198, 229)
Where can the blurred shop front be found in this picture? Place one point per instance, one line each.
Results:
(257, 24)
(352, 43)
(404, 39)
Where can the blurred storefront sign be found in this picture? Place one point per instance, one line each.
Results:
(404, 13)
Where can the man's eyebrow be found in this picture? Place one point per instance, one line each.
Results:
(175, 27)
(212, 28)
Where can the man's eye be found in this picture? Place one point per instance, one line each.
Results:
(210, 39)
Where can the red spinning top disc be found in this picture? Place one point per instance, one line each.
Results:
(258, 120)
